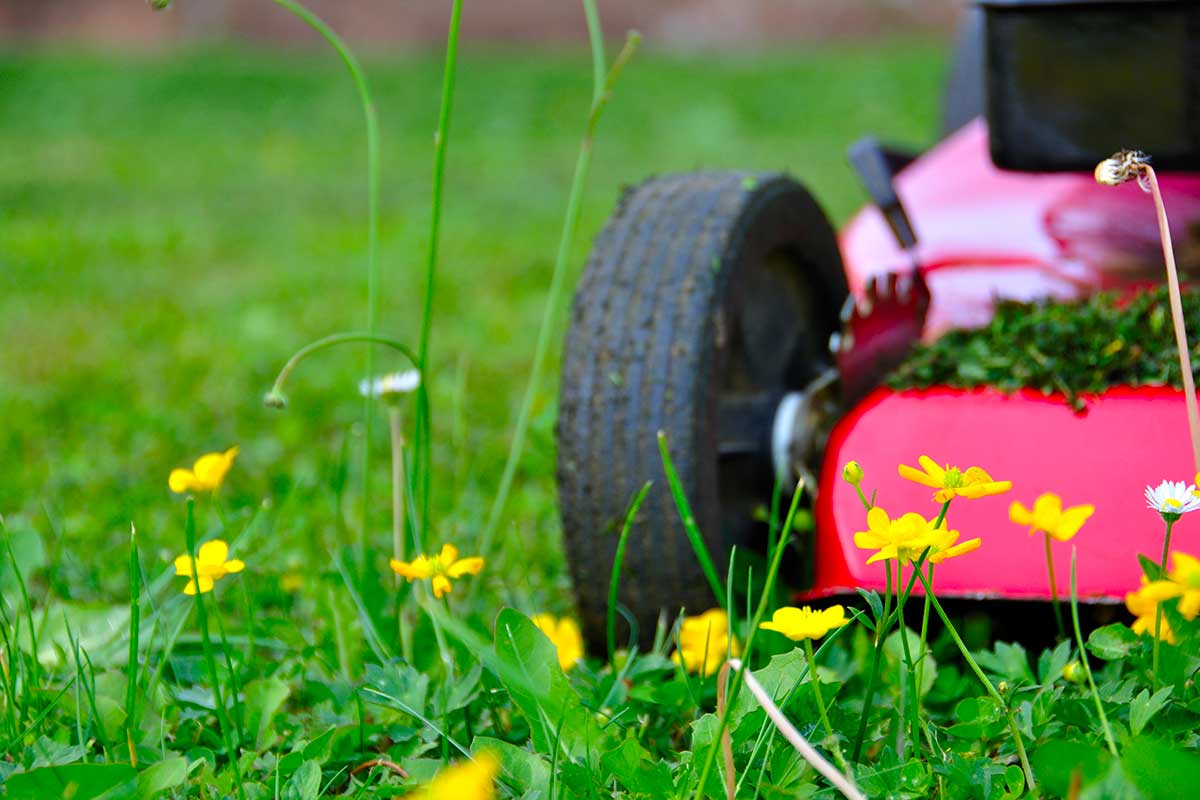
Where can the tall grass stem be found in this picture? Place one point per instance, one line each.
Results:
(695, 537)
(1087, 669)
(618, 561)
(422, 437)
(602, 84)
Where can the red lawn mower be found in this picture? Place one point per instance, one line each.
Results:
(724, 310)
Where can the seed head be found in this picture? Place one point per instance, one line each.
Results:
(1121, 167)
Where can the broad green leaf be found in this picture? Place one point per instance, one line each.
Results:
(1112, 641)
(1160, 770)
(1115, 785)
(263, 699)
(1052, 662)
(529, 771)
(77, 781)
(401, 682)
(634, 769)
(166, 774)
(1055, 762)
(1145, 706)
(532, 675)
(305, 783)
(320, 748)
(1008, 661)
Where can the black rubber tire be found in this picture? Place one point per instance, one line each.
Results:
(658, 335)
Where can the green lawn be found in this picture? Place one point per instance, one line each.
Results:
(173, 226)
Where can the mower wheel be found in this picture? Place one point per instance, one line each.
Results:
(707, 297)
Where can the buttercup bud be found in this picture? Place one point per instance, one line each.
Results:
(852, 473)
(1074, 673)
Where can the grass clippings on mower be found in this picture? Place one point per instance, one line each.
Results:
(1074, 349)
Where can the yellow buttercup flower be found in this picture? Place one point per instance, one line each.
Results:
(1049, 517)
(952, 482)
(803, 623)
(907, 537)
(466, 780)
(564, 635)
(212, 564)
(1183, 582)
(1143, 604)
(704, 642)
(439, 569)
(206, 475)
(946, 545)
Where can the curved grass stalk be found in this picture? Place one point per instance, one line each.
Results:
(275, 397)
(372, 123)
(603, 82)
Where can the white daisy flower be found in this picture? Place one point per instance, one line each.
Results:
(1172, 498)
(394, 384)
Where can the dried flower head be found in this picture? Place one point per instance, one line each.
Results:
(1121, 167)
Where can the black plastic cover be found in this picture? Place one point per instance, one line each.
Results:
(1070, 82)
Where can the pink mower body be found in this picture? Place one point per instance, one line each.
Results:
(985, 234)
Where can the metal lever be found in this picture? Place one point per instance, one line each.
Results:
(874, 165)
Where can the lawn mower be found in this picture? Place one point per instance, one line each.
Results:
(723, 310)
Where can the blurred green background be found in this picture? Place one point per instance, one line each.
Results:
(174, 226)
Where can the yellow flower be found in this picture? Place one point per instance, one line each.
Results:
(852, 473)
(704, 642)
(205, 475)
(564, 635)
(946, 545)
(907, 537)
(466, 780)
(953, 482)
(803, 623)
(212, 564)
(1183, 582)
(438, 569)
(1143, 604)
(1049, 517)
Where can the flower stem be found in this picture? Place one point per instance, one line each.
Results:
(135, 624)
(1181, 342)
(399, 550)
(815, 680)
(1058, 618)
(881, 628)
(924, 639)
(206, 644)
(1166, 552)
(372, 125)
(909, 666)
(962, 648)
(1083, 659)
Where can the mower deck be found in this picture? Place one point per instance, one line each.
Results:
(1125, 439)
